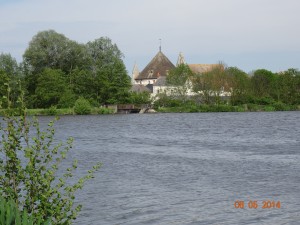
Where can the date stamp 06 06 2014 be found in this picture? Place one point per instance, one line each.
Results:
(257, 204)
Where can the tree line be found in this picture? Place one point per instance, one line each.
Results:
(261, 86)
(56, 71)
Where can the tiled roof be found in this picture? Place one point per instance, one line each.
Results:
(202, 68)
(159, 66)
(139, 88)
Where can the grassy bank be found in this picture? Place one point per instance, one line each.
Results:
(227, 108)
(59, 112)
(189, 108)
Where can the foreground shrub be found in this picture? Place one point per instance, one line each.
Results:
(10, 214)
(29, 162)
(82, 106)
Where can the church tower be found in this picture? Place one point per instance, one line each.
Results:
(180, 59)
(135, 73)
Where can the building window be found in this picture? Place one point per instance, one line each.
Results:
(150, 72)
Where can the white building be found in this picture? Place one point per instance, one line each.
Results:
(154, 75)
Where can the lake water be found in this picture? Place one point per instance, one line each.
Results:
(188, 168)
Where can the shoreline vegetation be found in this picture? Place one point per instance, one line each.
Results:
(228, 108)
(189, 108)
(59, 76)
(52, 111)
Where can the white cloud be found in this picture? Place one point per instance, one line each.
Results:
(228, 28)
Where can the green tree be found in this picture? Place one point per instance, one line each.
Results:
(49, 49)
(10, 74)
(110, 79)
(9, 65)
(202, 84)
(211, 84)
(263, 83)
(51, 86)
(139, 98)
(82, 83)
(94, 70)
(288, 86)
(179, 80)
(239, 84)
(82, 106)
(67, 99)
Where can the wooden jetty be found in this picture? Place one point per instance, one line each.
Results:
(131, 108)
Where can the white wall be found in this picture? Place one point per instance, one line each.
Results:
(145, 82)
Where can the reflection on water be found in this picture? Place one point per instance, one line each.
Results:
(187, 168)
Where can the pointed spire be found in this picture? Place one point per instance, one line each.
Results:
(135, 73)
(160, 45)
(180, 59)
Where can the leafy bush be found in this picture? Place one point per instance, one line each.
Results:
(104, 111)
(253, 107)
(268, 108)
(82, 106)
(139, 98)
(279, 106)
(67, 100)
(28, 170)
(193, 109)
(264, 101)
(168, 101)
(52, 111)
(10, 214)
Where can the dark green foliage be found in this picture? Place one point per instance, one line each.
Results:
(211, 84)
(166, 101)
(180, 80)
(139, 98)
(263, 83)
(67, 99)
(110, 80)
(239, 83)
(81, 83)
(52, 111)
(82, 106)
(95, 71)
(10, 75)
(103, 110)
(11, 215)
(288, 86)
(10, 66)
(179, 75)
(51, 86)
(49, 49)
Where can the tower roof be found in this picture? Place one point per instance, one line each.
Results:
(180, 59)
(135, 72)
(159, 66)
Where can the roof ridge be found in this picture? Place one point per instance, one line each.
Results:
(158, 66)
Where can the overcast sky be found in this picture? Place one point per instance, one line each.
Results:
(249, 34)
